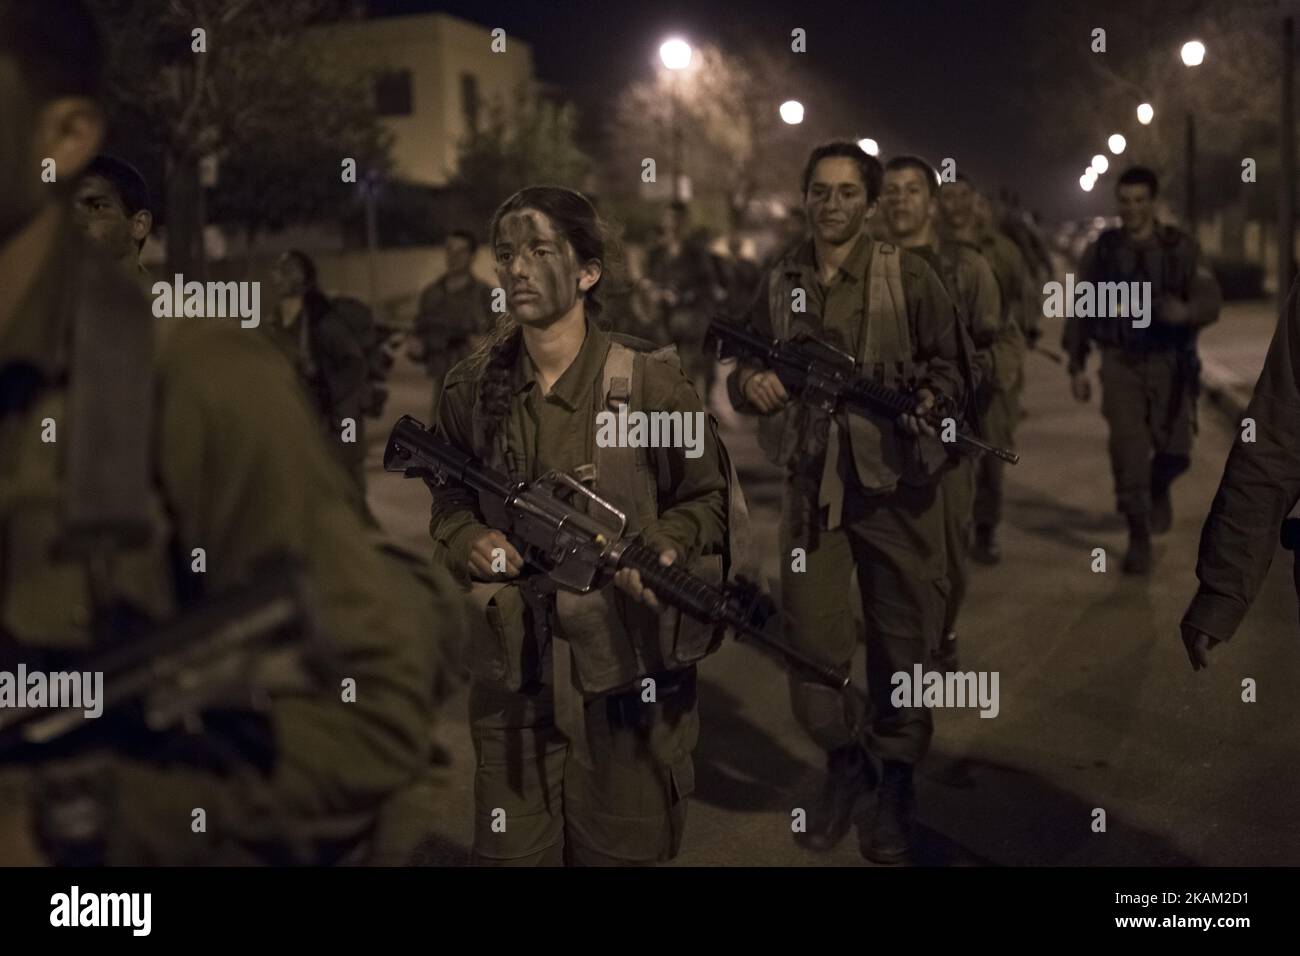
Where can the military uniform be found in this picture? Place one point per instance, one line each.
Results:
(845, 502)
(445, 323)
(235, 468)
(691, 279)
(996, 367)
(1149, 376)
(564, 774)
(331, 363)
(1260, 486)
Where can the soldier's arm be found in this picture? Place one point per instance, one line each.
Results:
(694, 522)
(248, 479)
(758, 317)
(344, 365)
(454, 518)
(1204, 296)
(1074, 340)
(1260, 485)
(935, 330)
(999, 342)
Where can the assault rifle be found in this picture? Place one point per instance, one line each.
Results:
(580, 549)
(823, 376)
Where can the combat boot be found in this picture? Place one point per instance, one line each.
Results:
(849, 775)
(986, 550)
(1162, 509)
(1138, 559)
(890, 837)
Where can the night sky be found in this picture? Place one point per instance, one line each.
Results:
(934, 77)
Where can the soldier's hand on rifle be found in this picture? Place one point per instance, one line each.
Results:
(915, 423)
(1198, 645)
(629, 581)
(485, 554)
(1080, 386)
(1174, 311)
(765, 392)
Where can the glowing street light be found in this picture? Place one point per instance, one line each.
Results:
(792, 112)
(1117, 143)
(1086, 182)
(1146, 113)
(1193, 53)
(869, 146)
(1099, 164)
(676, 54)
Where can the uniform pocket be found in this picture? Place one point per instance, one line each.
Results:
(683, 639)
(498, 635)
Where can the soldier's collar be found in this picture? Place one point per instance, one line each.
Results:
(573, 388)
(854, 266)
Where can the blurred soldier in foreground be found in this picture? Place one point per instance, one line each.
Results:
(1260, 486)
(1150, 373)
(859, 494)
(910, 201)
(113, 208)
(455, 313)
(330, 360)
(962, 222)
(148, 466)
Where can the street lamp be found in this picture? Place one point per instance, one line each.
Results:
(1086, 182)
(869, 146)
(792, 112)
(676, 56)
(1117, 143)
(1099, 164)
(1193, 54)
(1146, 113)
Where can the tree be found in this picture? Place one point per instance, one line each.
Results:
(532, 144)
(257, 96)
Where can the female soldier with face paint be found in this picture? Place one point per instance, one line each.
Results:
(569, 770)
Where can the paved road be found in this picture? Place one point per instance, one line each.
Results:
(1099, 708)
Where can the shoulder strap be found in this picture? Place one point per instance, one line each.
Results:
(621, 472)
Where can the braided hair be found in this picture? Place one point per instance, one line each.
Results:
(575, 218)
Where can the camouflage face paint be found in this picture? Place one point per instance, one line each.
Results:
(536, 266)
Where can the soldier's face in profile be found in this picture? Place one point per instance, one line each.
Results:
(103, 217)
(907, 201)
(836, 201)
(1136, 206)
(288, 276)
(957, 201)
(459, 255)
(538, 268)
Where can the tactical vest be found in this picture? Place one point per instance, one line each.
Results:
(882, 456)
(1117, 260)
(606, 641)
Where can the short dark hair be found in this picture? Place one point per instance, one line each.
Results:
(678, 207)
(868, 166)
(57, 46)
(467, 236)
(1139, 176)
(125, 179)
(920, 165)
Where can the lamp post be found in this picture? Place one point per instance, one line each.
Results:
(676, 56)
(1193, 54)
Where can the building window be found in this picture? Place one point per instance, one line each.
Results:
(393, 93)
(469, 101)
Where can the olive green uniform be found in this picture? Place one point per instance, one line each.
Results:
(1149, 376)
(331, 364)
(626, 802)
(446, 322)
(895, 540)
(1260, 486)
(238, 470)
(996, 364)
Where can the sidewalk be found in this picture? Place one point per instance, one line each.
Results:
(1232, 354)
